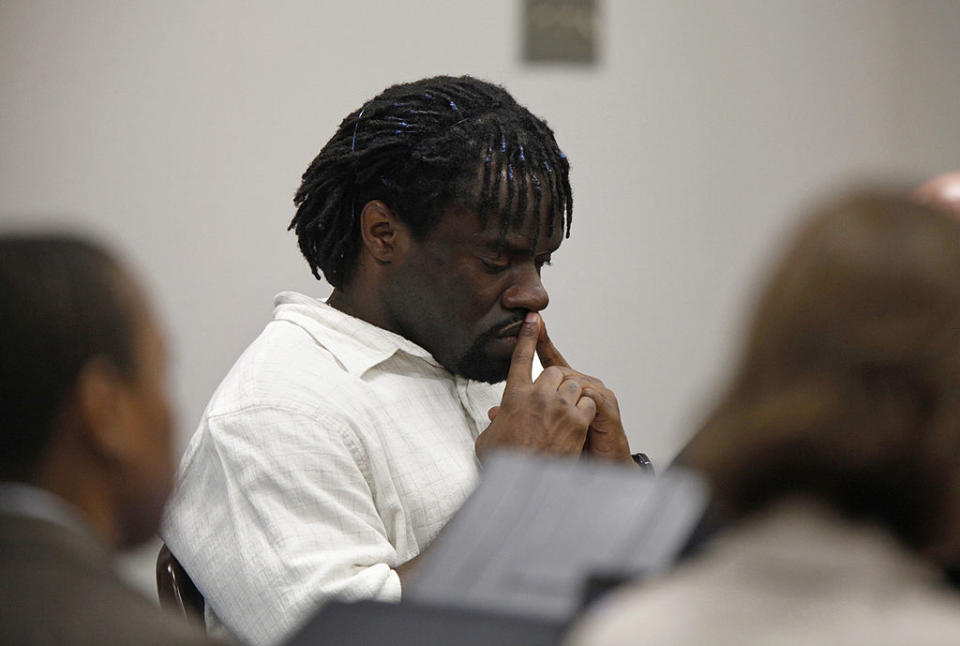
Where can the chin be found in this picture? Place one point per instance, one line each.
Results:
(487, 370)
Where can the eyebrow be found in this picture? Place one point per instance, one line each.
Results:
(514, 249)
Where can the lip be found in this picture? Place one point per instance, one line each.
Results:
(511, 330)
(502, 347)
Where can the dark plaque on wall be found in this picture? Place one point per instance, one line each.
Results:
(560, 31)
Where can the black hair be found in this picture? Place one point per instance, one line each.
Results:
(419, 147)
(61, 304)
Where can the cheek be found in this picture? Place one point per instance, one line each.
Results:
(156, 455)
(473, 309)
(448, 291)
(473, 298)
(149, 468)
(474, 291)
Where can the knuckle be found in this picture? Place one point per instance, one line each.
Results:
(598, 396)
(593, 381)
(553, 372)
(599, 392)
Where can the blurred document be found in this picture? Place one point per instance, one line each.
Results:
(536, 529)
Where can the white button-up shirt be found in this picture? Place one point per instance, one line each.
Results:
(333, 452)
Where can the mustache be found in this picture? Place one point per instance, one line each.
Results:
(506, 327)
(510, 327)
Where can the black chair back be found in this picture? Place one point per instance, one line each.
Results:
(175, 589)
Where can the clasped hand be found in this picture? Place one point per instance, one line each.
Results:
(563, 412)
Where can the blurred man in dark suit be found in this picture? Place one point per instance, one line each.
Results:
(85, 458)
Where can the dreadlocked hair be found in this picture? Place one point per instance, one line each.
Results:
(419, 147)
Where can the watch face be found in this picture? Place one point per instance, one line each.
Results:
(643, 461)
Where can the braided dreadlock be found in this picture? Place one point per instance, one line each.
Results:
(418, 147)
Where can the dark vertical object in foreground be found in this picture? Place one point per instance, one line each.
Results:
(175, 589)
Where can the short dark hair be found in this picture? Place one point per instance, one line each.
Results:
(61, 304)
(849, 386)
(418, 147)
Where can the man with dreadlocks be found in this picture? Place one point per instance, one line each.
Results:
(349, 432)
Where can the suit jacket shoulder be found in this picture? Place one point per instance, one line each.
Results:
(59, 588)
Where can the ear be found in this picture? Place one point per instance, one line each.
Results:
(102, 409)
(384, 235)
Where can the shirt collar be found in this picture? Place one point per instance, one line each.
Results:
(355, 343)
(21, 499)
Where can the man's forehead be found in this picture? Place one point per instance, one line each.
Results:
(524, 232)
(521, 235)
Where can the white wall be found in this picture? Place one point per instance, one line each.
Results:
(179, 131)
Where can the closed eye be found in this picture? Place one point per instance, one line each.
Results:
(494, 266)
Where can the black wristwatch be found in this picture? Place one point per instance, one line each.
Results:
(643, 462)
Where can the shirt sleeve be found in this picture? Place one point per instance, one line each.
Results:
(273, 515)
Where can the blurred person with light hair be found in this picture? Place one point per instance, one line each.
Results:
(942, 192)
(834, 457)
(86, 451)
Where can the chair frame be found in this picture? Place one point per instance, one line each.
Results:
(176, 589)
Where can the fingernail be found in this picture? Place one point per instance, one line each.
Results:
(531, 317)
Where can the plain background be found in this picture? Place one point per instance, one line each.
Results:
(177, 131)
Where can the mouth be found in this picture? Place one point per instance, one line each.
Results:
(511, 330)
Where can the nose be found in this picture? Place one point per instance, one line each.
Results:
(526, 291)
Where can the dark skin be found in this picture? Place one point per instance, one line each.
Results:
(605, 438)
(111, 453)
(452, 292)
(473, 303)
(548, 415)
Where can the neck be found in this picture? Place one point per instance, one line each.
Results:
(96, 511)
(70, 475)
(364, 303)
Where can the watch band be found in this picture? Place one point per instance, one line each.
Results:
(643, 462)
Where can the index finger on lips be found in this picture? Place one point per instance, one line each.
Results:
(521, 363)
(548, 353)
